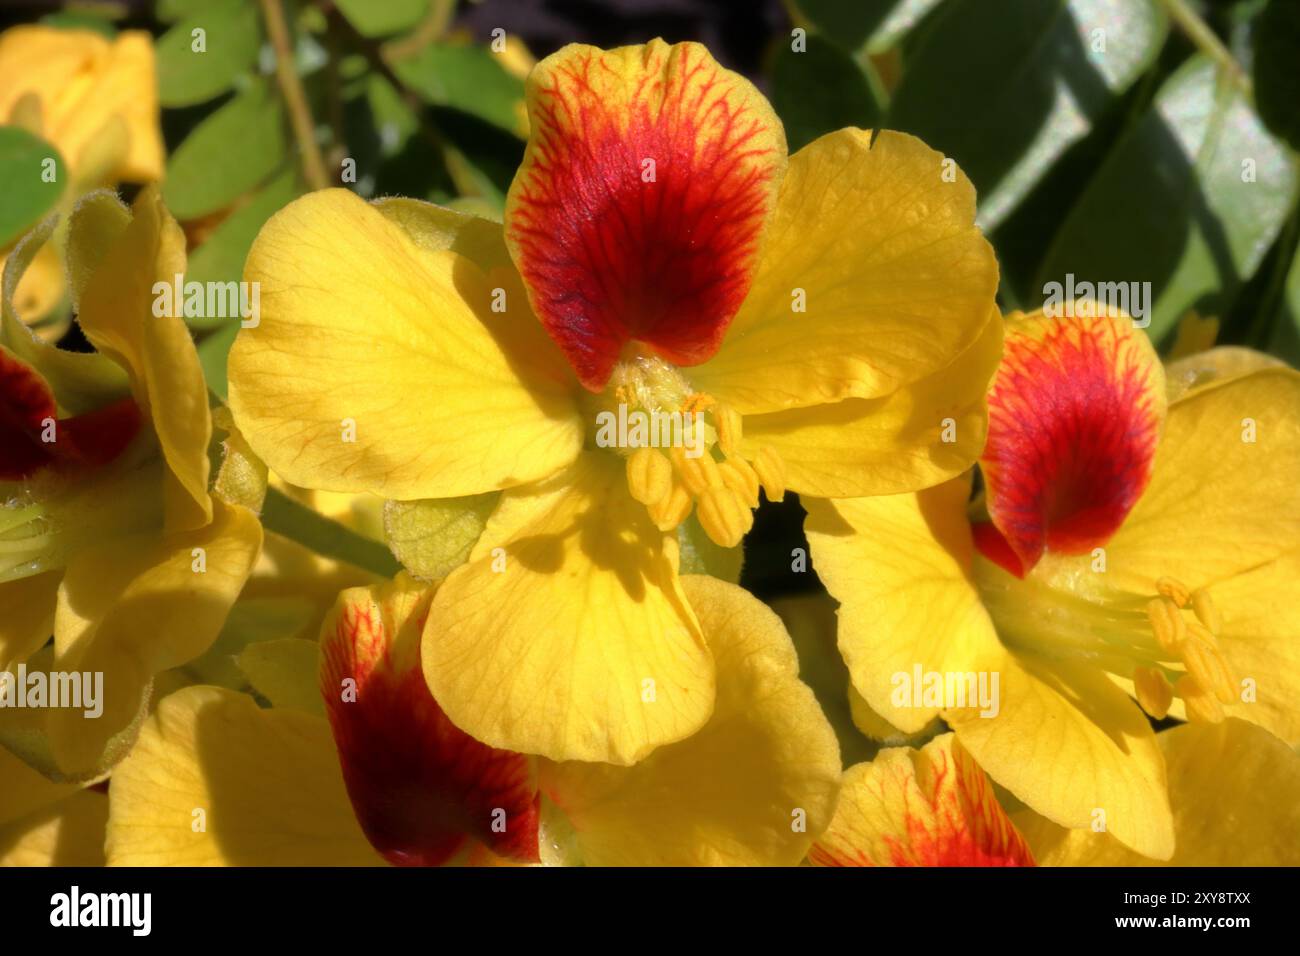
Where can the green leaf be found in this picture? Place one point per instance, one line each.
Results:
(27, 196)
(377, 18)
(819, 90)
(1277, 69)
(433, 537)
(221, 257)
(214, 350)
(88, 19)
(700, 555)
(232, 35)
(1189, 200)
(466, 78)
(228, 154)
(1007, 95)
(283, 515)
(846, 23)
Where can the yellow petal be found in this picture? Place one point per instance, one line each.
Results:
(28, 616)
(67, 833)
(117, 315)
(284, 671)
(1234, 790)
(927, 807)
(131, 608)
(1221, 364)
(753, 787)
(216, 780)
(378, 365)
(1218, 504)
(85, 82)
(897, 279)
(25, 791)
(899, 566)
(921, 435)
(567, 634)
(1073, 746)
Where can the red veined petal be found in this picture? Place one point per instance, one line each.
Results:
(1075, 412)
(927, 807)
(650, 175)
(420, 787)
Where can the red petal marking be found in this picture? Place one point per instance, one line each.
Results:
(421, 788)
(27, 403)
(1075, 412)
(609, 258)
(940, 808)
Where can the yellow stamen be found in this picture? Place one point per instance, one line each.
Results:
(672, 510)
(723, 516)
(1154, 692)
(1206, 612)
(1167, 623)
(696, 474)
(649, 476)
(1205, 662)
(1173, 589)
(727, 422)
(771, 473)
(740, 477)
(1201, 705)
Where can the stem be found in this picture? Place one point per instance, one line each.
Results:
(325, 536)
(304, 129)
(1206, 40)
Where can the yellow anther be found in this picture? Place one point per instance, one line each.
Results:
(1206, 612)
(697, 473)
(1154, 692)
(1174, 590)
(1200, 704)
(723, 516)
(1167, 623)
(728, 423)
(771, 473)
(1205, 663)
(740, 477)
(698, 402)
(649, 476)
(672, 510)
(1204, 633)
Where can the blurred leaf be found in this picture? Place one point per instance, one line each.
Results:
(232, 37)
(169, 11)
(846, 23)
(1007, 95)
(1277, 69)
(27, 197)
(377, 18)
(433, 537)
(1189, 200)
(228, 154)
(221, 257)
(214, 351)
(80, 20)
(902, 18)
(466, 78)
(819, 90)
(284, 515)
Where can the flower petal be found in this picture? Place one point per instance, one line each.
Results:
(752, 787)
(1076, 749)
(1219, 503)
(927, 807)
(130, 608)
(420, 786)
(215, 780)
(896, 279)
(919, 436)
(900, 567)
(1074, 419)
(378, 365)
(28, 618)
(567, 634)
(117, 315)
(638, 211)
(67, 833)
(1234, 790)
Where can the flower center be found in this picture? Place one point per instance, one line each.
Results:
(683, 450)
(1166, 643)
(28, 544)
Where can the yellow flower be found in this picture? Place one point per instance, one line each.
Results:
(400, 782)
(48, 824)
(821, 324)
(1136, 545)
(93, 99)
(109, 538)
